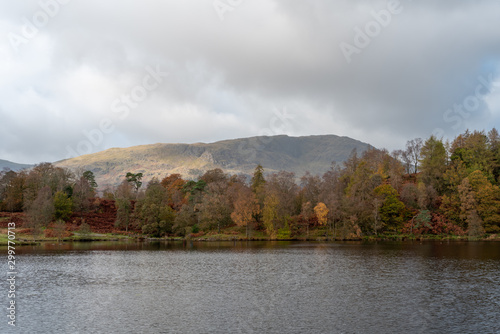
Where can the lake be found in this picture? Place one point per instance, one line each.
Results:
(257, 287)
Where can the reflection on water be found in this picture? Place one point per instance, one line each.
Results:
(259, 287)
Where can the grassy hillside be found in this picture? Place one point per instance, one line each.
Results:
(238, 156)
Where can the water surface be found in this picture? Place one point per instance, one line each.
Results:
(258, 287)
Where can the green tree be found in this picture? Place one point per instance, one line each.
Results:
(63, 206)
(90, 177)
(257, 184)
(487, 197)
(123, 213)
(474, 151)
(135, 180)
(433, 163)
(155, 215)
(194, 191)
(123, 201)
(258, 180)
(185, 219)
(270, 214)
(392, 209)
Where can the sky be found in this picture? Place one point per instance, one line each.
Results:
(81, 76)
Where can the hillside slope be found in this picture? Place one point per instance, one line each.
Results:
(4, 164)
(238, 156)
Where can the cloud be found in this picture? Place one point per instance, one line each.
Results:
(227, 78)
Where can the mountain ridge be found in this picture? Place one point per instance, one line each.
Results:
(5, 164)
(235, 156)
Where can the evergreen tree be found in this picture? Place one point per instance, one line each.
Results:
(433, 163)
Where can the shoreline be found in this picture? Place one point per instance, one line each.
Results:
(27, 241)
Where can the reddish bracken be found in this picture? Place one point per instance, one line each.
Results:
(101, 218)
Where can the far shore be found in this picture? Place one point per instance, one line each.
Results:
(24, 239)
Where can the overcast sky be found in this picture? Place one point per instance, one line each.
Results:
(81, 76)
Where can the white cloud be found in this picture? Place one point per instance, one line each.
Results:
(227, 78)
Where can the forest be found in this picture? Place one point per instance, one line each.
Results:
(430, 187)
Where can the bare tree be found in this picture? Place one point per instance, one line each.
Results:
(405, 159)
(41, 211)
(413, 148)
(83, 191)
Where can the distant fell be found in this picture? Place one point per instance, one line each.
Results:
(4, 164)
(237, 156)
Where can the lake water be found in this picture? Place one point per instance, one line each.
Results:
(257, 287)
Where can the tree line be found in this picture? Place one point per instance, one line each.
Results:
(429, 187)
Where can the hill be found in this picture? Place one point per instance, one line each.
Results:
(238, 156)
(4, 164)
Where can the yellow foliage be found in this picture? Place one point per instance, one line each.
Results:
(321, 212)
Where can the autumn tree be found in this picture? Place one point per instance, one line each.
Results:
(40, 212)
(468, 209)
(282, 186)
(321, 212)
(487, 197)
(270, 216)
(351, 163)
(215, 208)
(174, 185)
(59, 229)
(359, 201)
(45, 175)
(307, 214)
(84, 190)
(216, 175)
(409, 195)
(332, 194)
(310, 188)
(451, 201)
(494, 147)
(246, 207)
(13, 191)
